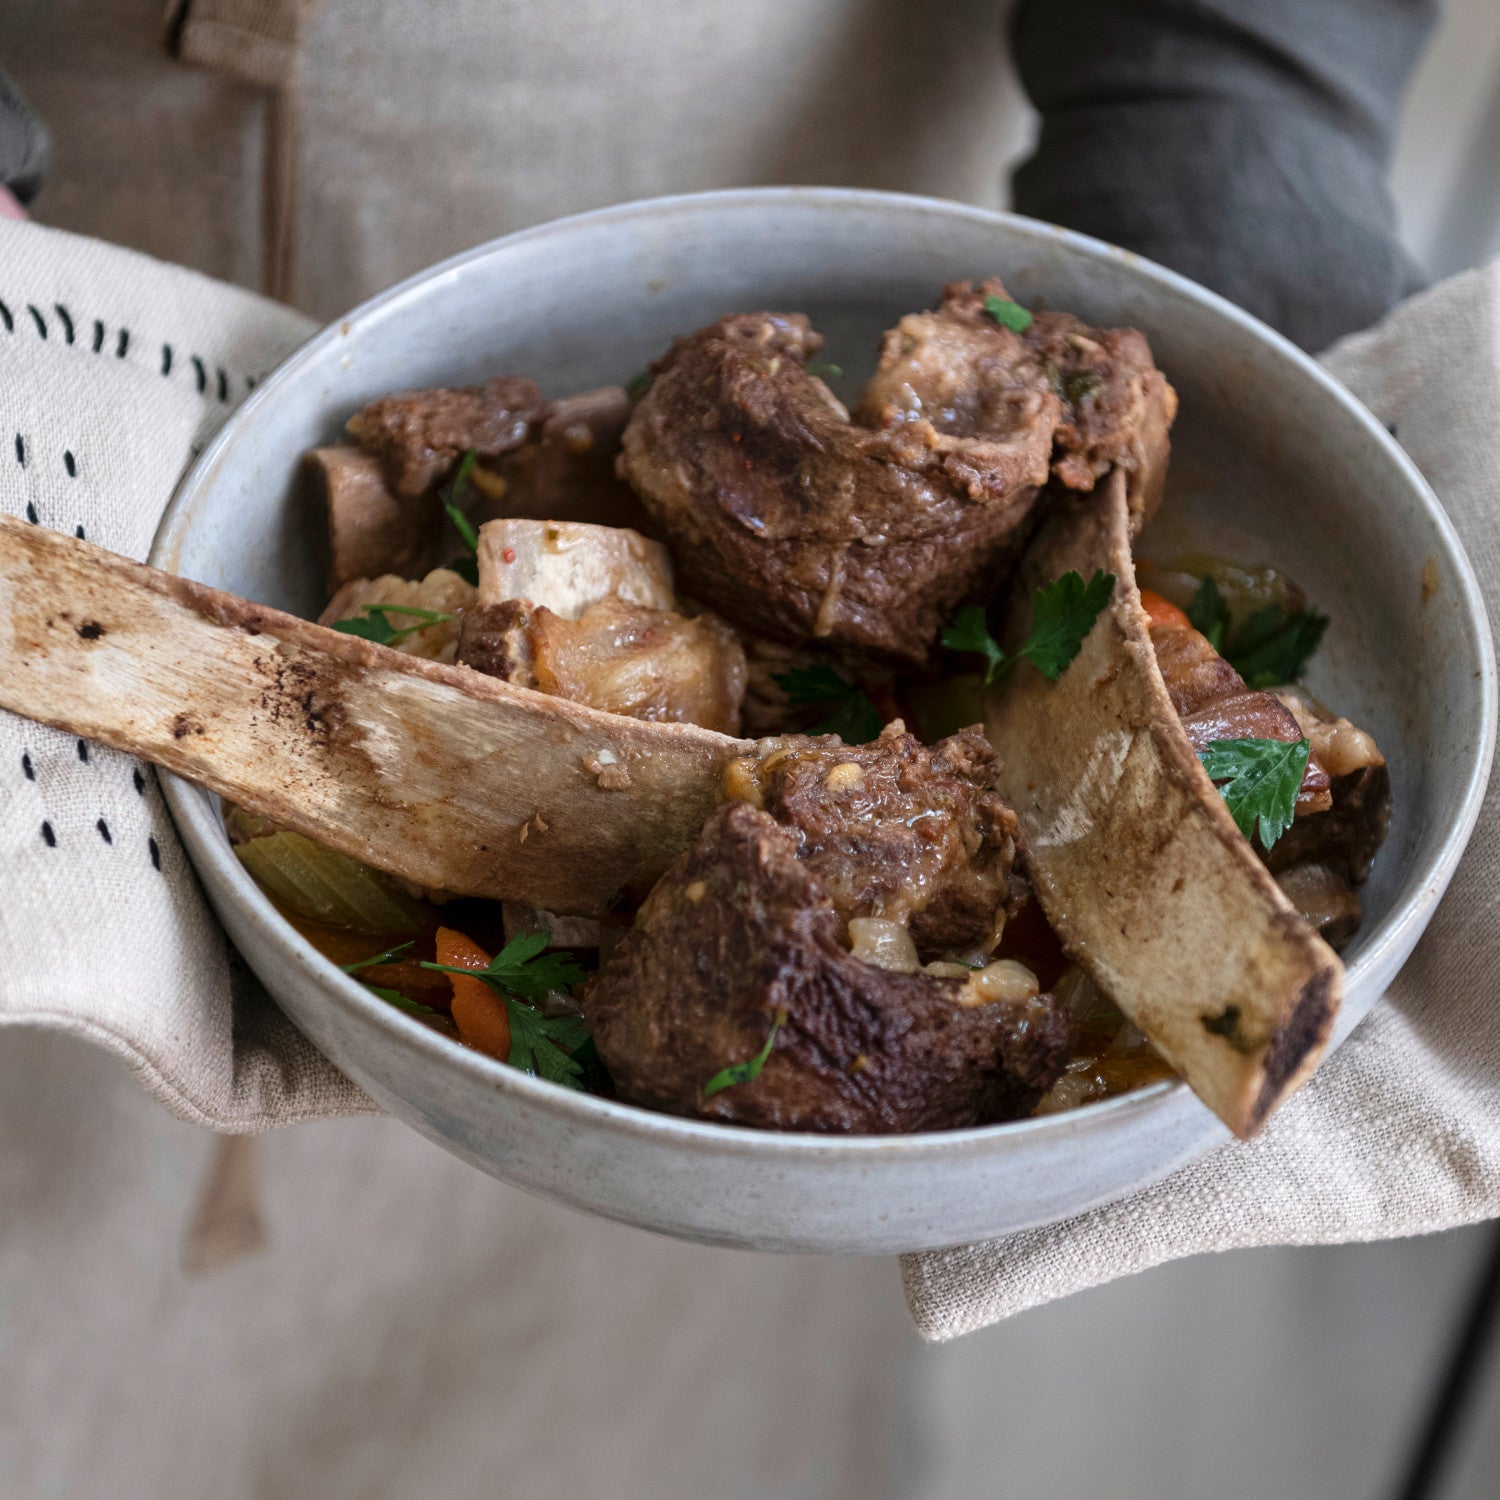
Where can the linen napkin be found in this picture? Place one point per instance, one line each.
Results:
(114, 371)
(1398, 1132)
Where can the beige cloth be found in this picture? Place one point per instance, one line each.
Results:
(1398, 1133)
(116, 371)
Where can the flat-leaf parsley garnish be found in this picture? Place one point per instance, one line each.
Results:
(1260, 781)
(1272, 646)
(1062, 614)
(851, 715)
(391, 997)
(520, 968)
(378, 959)
(373, 622)
(519, 972)
(748, 1071)
(1007, 314)
(825, 371)
(466, 567)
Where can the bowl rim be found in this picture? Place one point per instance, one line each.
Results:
(208, 845)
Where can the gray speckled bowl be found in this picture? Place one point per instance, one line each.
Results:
(1274, 462)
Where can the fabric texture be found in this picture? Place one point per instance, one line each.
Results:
(115, 371)
(1399, 1132)
(1245, 143)
(254, 40)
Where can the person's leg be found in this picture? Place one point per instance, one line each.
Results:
(1244, 143)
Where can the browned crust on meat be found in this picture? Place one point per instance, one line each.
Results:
(1136, 860)
(739, 932)
(417, 436)
(796, 524)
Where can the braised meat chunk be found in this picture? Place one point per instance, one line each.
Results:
(418, 436)
(565, 471)
(588, 613)
(1212, 701)
(739, 938)
(959, 371)
(1344, 804)
(895, 830)
(643, 663)
(799, 524)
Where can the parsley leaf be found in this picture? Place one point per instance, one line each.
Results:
(1008, 314)
(638, 385)
(1274, 645)
(1271, 647)
(970, 632)
(373, 623)
(825, 371)
(461, 523)
(539, 1044)
(852, 716)
(517, 970)
(380, 958)
(396, 998)
(543, 1045)
(1208, 613)
(1062, 614)
(745, 1072)
(1261, 781)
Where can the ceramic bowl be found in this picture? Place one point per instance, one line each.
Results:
(1273, 462)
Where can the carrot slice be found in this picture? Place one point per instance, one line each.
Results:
(1162, 611)
(478, 1012)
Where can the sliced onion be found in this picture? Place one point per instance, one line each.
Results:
(314, 883)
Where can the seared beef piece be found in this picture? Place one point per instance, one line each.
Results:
(1347, 835)
(643, 663)
(1213, 703)
(895, 829)
(1344, 806)
(418, 436)
(738, 932)
(961, 371)
(566, 470)
(797, 524)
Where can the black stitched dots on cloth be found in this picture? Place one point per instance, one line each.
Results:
(78, 532)
(48, 837)
(65, 318)
(122, 344)
(5, 317)
(140, 782)
(98, 335)
(83, 751)
(70, 463)
(155, 849)
(20, 450)
(104, 832)
(28, 770)
(31, 514)
(38, 319)
(166, 359)
(200, 373)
